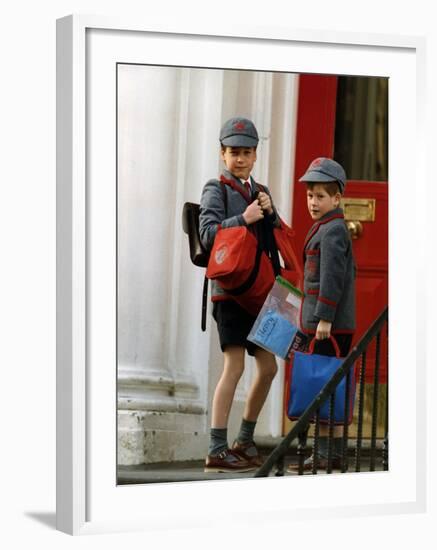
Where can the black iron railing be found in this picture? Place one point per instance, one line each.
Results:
(300, 430)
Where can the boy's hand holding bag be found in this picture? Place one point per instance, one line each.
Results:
(310, 372)
(243, 269)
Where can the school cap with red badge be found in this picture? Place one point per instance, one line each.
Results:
(239, 132)
(324, 170)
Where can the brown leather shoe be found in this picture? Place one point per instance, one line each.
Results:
(322, 464)
(227, 461)
(249, 452)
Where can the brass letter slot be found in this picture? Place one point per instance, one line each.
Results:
(362, 210)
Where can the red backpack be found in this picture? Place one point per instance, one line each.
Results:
(245, 260)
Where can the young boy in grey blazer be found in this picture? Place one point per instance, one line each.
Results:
(242, 207)
(328, 307)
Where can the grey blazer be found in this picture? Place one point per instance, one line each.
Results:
(213, 213)
(329, 275)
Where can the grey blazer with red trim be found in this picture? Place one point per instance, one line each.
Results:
(213, 214)
(329, 275)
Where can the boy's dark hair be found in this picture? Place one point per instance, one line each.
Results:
(331, 187)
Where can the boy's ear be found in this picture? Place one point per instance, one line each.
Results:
(338, 198)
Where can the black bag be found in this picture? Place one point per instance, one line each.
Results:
(190, 224)
(199, 256)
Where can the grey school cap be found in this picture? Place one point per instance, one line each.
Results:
(324, 170)
(238, 132)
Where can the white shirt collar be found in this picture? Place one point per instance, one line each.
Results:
(249, 179)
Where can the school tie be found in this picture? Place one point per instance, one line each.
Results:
(248, 188)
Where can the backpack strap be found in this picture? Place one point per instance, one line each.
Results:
(204, 303)
(234, 185)
(205, 280)
(269, 239)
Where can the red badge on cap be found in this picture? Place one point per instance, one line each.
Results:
(316, 163)
(239, 126)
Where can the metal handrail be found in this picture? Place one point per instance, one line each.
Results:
(277, 455)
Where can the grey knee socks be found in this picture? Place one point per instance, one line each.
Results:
(247, 429)
(336, 447)
(218, 441)
(219, 437)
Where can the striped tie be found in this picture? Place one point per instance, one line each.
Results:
(248, 188)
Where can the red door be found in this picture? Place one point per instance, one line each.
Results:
(345, 118)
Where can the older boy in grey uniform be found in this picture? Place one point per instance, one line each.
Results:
(328, 307)
(239, 140)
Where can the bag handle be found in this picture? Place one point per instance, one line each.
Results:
(333, 342)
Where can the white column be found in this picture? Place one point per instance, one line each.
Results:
(167, 150)
(283, 142)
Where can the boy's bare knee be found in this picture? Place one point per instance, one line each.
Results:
(233, 372)
(233, 362)
(270, 371)
(267, 366)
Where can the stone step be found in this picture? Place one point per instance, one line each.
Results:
(164, 472)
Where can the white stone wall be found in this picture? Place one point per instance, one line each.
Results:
(168, 125)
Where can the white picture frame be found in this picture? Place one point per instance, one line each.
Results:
(88, 499)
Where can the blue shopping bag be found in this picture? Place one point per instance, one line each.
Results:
(310, 372)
